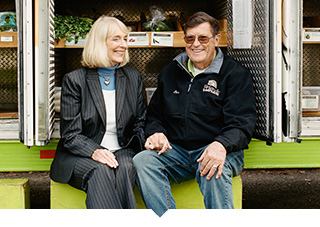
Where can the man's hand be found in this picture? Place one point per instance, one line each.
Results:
(159, 142)
(212, 159)
(105, 157)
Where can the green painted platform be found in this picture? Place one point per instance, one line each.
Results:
(14, 194)
(283, 155)
(15, 156)
(187, 196)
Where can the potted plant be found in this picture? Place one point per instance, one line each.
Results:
(71, 28)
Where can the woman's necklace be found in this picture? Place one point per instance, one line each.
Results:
(106, 79)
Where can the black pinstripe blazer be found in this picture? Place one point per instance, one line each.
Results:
(83, 117)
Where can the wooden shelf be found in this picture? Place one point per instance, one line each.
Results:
(8, 115)
(311, 42)
(178, 36)
(310, 113)
(178, 41)
(8, 39)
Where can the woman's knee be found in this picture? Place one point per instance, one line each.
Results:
(102, 169)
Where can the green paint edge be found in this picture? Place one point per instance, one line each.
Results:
(283, 155)
(15, 156)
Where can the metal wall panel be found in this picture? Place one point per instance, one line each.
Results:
(292, 70)
(257, 61)
(311, 65)
(130, 10)
(44, 71)
(7, 5)
(311, 8)
(25, 70)
(8, 70)
(154, 59)
(8, 79)
(149, 61)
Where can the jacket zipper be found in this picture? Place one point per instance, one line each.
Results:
(191, 76)
(190, 84)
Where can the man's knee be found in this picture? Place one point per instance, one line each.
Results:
(139, 158)
(235, 163)
(143, 159)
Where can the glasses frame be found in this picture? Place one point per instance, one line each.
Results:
(197, 37)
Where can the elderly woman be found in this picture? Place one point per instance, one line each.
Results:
(102, 120)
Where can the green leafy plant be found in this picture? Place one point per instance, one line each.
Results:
(70, 27)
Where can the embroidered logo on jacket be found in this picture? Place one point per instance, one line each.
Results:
(176, 92)
(211, 87)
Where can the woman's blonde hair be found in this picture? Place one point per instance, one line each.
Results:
(95, 50)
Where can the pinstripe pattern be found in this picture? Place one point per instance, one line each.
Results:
(114, 186)
(83, 117)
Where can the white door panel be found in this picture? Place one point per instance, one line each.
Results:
(44, 71)
(292, 65)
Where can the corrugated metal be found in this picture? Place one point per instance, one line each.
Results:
(8, 69)
(154, 59)
(311, 8)
(311, 65)
(7, 5)
(51, 70)
(8, 79)
(130, 11)
(256, 59)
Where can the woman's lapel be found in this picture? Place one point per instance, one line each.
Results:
(121, 86)
(96, 93)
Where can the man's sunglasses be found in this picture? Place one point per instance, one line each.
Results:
(201, 39)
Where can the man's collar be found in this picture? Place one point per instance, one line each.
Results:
(191, 65)
(214, 67)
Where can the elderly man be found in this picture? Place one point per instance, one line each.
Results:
(199, 120)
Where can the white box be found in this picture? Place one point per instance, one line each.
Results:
(7, 39)
(81, 42)
(162, 39)
(311, 34)
(138, 39)
(310, 98)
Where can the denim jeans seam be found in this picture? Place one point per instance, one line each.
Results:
(163, 176)
(227, 194)
(166, 188)
(233, 173)
(191, 162)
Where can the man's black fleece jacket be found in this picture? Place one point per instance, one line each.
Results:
(216, 105)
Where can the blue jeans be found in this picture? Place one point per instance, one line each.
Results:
(156, 172)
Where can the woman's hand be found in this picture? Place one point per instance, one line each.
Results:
(105, 157)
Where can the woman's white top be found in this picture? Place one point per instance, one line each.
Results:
(110, 139)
